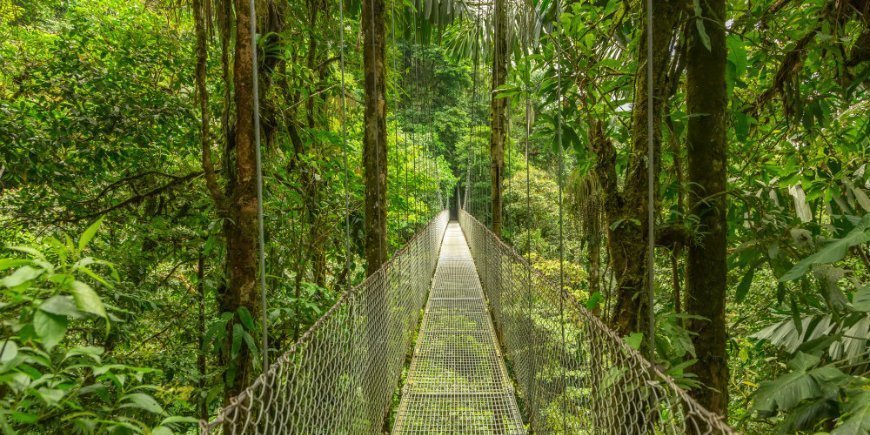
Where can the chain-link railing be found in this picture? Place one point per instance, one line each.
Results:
(574, 374)
(340, 376)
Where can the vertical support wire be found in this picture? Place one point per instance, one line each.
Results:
(344, 151)
(260, 230)
(533, 370)
(396, 105)
(471, 107)
(561, 157)
(650, 177)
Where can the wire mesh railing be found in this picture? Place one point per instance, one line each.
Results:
(574, 374)
(340, 376)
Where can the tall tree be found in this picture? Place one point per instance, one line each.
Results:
(498, 108)
(375, 140)
(237, 203)
(375, 177)
(626, 211)
(240, 230)
(707, 148)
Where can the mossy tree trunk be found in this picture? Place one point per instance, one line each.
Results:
(706, 270)
(498, 122)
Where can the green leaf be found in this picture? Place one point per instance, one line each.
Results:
(178, 419)
(49, 327)
(803, 361)
(699, 24)
(831, 253)
(62, 305)
(246, 318)
(87, 299)
(861, 300)
(238, 333)
(785, 392)
(25, 418)
(745, 283)
(635, 339)
(8, 351)
(594, 300)
(856, 418)
(141, 401)
(20, 276)
(8, 263)
(51, 396)
(89, 234)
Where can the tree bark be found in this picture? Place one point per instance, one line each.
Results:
(706, 270)
(240, 229)
(499, 119)
(375, 140)
(627, 213)
(375, 167)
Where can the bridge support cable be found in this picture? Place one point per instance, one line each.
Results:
(603, 376)
(321, 385)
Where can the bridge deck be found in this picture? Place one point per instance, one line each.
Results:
(457, 383)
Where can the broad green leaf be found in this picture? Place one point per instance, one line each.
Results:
(8, 263)
(20, 276)
(745, 282)
(50, 327)
(635, 339)
(8, 351)
(178, 419)
(803, 361)
(61, 305)
(785, 392)
(699, 24)
(246, 318)
(25, 418)
(831, 253)
(861, 300)
(51, 396)
(87, 299)
(238, 333)
(141, 401)
(856, 418)
(89, 234)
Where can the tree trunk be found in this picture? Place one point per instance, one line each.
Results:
(375, 167)
(706, 268)
(240, 230)
(375, 141)
(499, 119)
(627, 213)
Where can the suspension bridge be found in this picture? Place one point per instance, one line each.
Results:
(500, 350)
(458, 334)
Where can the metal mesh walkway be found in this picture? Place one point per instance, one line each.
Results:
(457, 381)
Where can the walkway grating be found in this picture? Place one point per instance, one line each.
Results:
(457, 383)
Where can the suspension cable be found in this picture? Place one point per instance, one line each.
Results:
(471, 106)
(558, 47)
(378, 128)
(344, 152)
(396, 108)
(261, 251)
(414, 144)
(650, 177)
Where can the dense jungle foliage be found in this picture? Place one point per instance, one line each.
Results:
(128, 290)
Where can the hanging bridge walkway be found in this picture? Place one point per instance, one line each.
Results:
(500, 350)
(457, 382)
